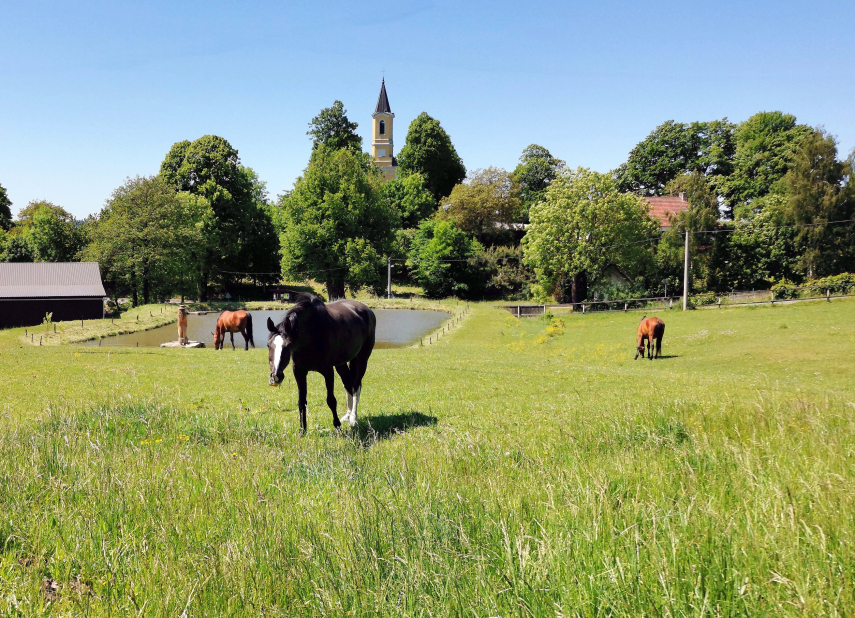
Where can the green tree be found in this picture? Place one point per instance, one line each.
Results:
(16, 249)
(584, 224)
(210, 168)
(766, 147)
(409, 195)
(5, 210)
(675, 148)
(335, 226)
(49, 233)
(145, 237)
(820, 190)
(332, 129)
(442, 260)
(489, 196)
(536, 170)
(429, 151)
(54, 237)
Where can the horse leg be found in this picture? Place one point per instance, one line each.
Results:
(329, 378)
(650, 347)
(347, 381)
(302, 389)
(232, 335)
(245, 338)
(358, 366)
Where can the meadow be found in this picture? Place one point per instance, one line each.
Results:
(515, 468)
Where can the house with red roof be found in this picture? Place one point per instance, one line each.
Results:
(662, 207)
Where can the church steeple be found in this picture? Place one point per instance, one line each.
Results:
(383, 100)
(382, 144)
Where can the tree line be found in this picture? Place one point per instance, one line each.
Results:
(759, 195)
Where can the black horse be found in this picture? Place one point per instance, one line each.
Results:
(319, 337)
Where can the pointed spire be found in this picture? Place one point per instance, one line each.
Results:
(383, 100)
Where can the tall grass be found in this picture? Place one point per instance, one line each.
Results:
(517, 468)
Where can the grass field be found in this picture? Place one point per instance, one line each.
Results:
(517, 468)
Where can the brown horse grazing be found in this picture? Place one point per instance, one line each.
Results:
(232, 322)
(319, 337)
(650, 329)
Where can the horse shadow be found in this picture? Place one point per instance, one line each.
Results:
(384, 426)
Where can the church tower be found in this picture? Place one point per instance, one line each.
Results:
(382, 146)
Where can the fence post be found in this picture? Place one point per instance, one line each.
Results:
(773, 298)
(625, 305)
(827, 295)
(671, 305)
(583, 309)
(719, 302)
(686, 274)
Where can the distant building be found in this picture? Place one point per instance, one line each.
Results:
(68, 290)
(382, 144)
(662, 207)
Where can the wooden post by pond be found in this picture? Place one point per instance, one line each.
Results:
(719, 302)
(625, 307)
(828, 295)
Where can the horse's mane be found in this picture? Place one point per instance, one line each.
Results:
(304, 302)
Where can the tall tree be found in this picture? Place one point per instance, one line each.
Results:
(675, 148)
(429, 151)
(821, 190)
(766, 147)
(442, 260)
(409, 195)
(489, 196)
(536, 170)
(334, 225)
(145, 236)
(332, 129)
(5, 210)
(210, 168)
(584, 224)
(53, 234)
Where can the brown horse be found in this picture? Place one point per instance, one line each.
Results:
(650, 329)
(232, 322)
(319, 337)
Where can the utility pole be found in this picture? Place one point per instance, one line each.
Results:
(389, 278)
(686, 274)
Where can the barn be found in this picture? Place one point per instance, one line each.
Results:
(68, 290)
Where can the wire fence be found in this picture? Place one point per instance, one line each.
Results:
(788, 294)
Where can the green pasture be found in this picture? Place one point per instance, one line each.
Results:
(514, 468)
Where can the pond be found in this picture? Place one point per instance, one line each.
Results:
(395, 328)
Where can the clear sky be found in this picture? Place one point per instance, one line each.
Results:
(94, 92)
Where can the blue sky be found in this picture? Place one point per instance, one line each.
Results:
(94, 92)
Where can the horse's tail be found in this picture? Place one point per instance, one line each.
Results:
(249, 329)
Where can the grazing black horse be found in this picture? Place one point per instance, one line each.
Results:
(319, 337)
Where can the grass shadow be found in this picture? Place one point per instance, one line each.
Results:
(384, 426)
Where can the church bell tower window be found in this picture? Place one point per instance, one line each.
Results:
(382, 127)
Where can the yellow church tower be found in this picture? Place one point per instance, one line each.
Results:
(381, 144)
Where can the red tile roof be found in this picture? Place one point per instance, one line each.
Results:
(662, 206)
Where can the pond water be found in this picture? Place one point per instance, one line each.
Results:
(395, 328)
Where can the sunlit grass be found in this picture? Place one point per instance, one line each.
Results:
(521, 467)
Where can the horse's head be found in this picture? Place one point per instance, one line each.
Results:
(279, 346)
(219, 336)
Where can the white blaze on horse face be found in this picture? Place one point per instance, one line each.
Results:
(278, 350)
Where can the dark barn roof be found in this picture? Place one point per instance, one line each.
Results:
(383, 101)
(51, 280)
